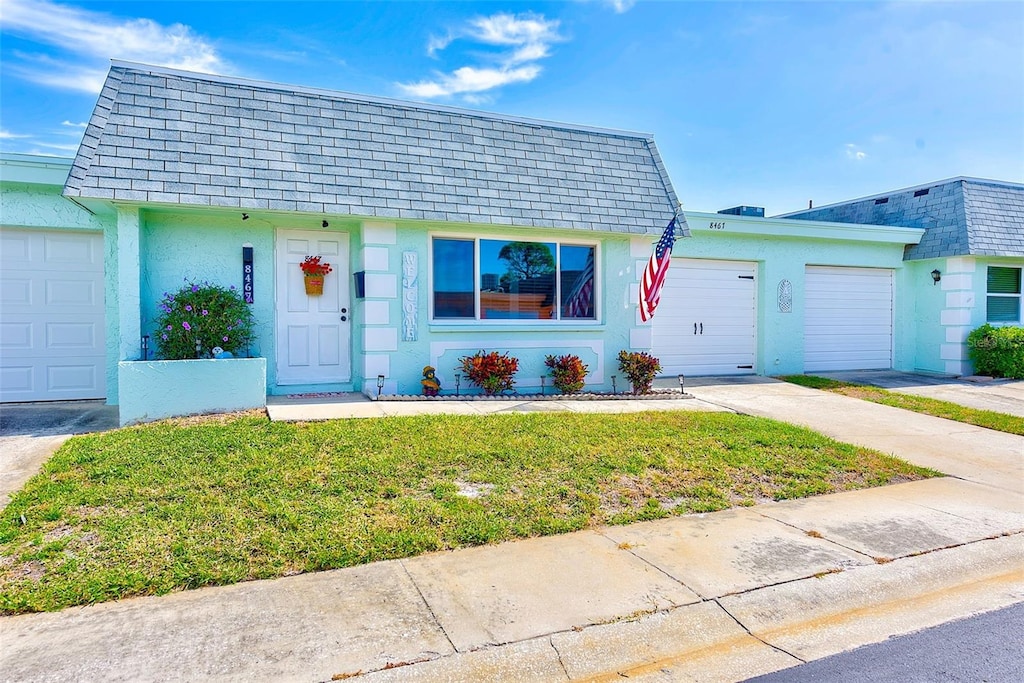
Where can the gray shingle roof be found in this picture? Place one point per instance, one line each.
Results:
(961, 216)
(160, 135)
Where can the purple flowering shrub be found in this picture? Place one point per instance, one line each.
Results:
(203, 314)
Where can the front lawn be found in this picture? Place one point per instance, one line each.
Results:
(988, 419)
(175, 505)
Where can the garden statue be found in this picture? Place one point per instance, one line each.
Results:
(430, 383)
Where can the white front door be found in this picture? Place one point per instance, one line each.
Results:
(705, 323)
(313, 332)
(52, 330)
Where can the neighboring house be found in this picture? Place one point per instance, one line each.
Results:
(450, 231)
(973, 243)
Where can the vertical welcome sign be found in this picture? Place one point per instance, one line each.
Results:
(410, 295)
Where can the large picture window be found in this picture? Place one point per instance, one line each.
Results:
(1003, 301)
(488, 279)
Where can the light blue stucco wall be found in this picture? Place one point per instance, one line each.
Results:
(380, 346)
(184, 248)
(158, 389)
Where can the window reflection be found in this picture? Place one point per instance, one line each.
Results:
(453, 279)
(517, 280)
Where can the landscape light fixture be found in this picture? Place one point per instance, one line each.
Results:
(936, 276)
(325, 224)
(613, 385)
(542, 385)
(245, 216)
(458, 381)
(145, 347)
(682, 385)
(199, 348)
(380, 384)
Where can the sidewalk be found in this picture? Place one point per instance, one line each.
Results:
(722, 596)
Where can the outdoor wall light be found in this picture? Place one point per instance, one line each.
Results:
(613, 385)
(145, 347)
(380, 384)
(936, 276)
(325, 224)
(682, 384)
(458, 381)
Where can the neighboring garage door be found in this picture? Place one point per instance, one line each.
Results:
(52, 340)
(704, 324)
(847, 319)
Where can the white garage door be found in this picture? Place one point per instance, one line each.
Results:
(847, 319)
(51, 315)
(704, 324)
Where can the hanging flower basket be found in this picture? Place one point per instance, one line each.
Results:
(313, 273)
(314, 284)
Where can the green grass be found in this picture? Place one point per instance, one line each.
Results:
(170, 506)
(989, 419)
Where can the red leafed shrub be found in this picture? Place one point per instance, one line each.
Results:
(493, 372)
(640, 368)
(568, 372)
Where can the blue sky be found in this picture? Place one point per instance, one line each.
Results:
(766, 103)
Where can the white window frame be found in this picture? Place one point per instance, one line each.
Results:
(1019, 295)
(476, 320)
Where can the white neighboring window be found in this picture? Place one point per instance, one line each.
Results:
(1003, 300)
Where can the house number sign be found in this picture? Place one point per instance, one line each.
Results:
(247, 290)
(410, 295)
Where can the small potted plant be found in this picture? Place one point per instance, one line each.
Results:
(313, 272)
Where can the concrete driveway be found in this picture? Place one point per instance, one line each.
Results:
(31, 432)
(1000, 395)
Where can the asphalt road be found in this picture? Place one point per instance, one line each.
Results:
(987, 648)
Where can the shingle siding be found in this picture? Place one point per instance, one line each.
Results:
(167, 136)
(961, 217)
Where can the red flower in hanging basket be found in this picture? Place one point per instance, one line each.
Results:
(311, 266)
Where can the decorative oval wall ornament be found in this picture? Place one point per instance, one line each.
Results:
(785, 296)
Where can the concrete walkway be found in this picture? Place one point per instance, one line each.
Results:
(716, 597)
(1000, 395)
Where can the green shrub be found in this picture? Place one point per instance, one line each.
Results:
(197, 318)
(997, 351)
(641, 368)
(569, 372)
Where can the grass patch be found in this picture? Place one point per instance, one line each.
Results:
(169, 506)
(988, 419)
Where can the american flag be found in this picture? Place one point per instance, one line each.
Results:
(580, 302)
(656, 270)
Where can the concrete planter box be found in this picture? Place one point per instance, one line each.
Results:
(153, 390)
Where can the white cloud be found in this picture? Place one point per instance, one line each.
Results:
(90, 38)
(524, 39)
(620, 6)
(80, 124)
(856, 153)
(8, 135)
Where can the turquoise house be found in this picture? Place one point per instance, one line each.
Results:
(449, 231)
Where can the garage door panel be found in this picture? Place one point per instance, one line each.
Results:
(847, 319)
(52, 330)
